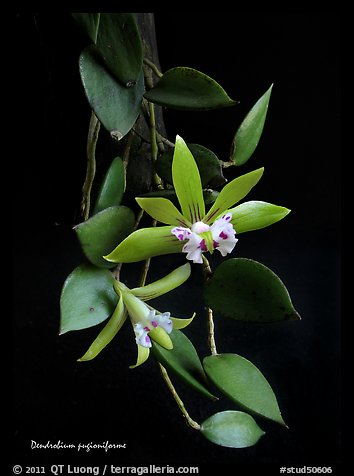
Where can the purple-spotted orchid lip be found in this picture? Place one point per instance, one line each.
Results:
(202, 237)
(153, 321)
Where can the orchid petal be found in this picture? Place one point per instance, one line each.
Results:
(223, 234)
(145, 243)
(181, 323)
(193, 248)
(143, 355)
(163, 211)
(232, 193)
(255, 215)
(141, 335)
(164, 321)
(163, 285)
(187, 182)
(108, 332)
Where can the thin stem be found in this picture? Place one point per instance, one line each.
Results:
(126, 153)
(164, 140)
(153, 67)
(207, 273)
(152, 125)
(225, 165)
(190, 422)
(92, 138)
(146, 267)
(154, 148)
(211, 334)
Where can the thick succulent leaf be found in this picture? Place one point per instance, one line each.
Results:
(145, 243)
(112, 187)
(187, 88)
(250, 131)
(207, 162)
(233, 192)
(187, 183)
(100, 233)
(246, 290)
(119, 45)
(184, 362)
(162, 286)
(231, 429)
(255, 215)
(243, 383)
(87, 298)
(108, 332)
(163, 211)
(89, 22)
(116, 106)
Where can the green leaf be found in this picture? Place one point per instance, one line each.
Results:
(255, 215)
(116, 107)
(184, 362)
(250, 131)
(246, 290)
(163, 211)
(233, 192)
(87, 298)
(145, 243)
(244, 384)
(119, 45)
(89, 22)
(100, 233)
(112, 187)
(187, 88)
(107, 333)
(207, 162)
(164, 285)
(209, 195)
(231, 429)
(187, 183)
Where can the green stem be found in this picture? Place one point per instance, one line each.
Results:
(150, 116)
(153, 67)
(190, 422)
(92, 138)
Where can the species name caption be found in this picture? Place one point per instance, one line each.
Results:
(60, 445)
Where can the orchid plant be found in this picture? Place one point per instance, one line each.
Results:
(194, 211)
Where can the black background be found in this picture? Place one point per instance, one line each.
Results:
(56, 398)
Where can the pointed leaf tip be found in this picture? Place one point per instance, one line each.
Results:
(248, 134)
(187, 88)
(243, 383)
(187, 182)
